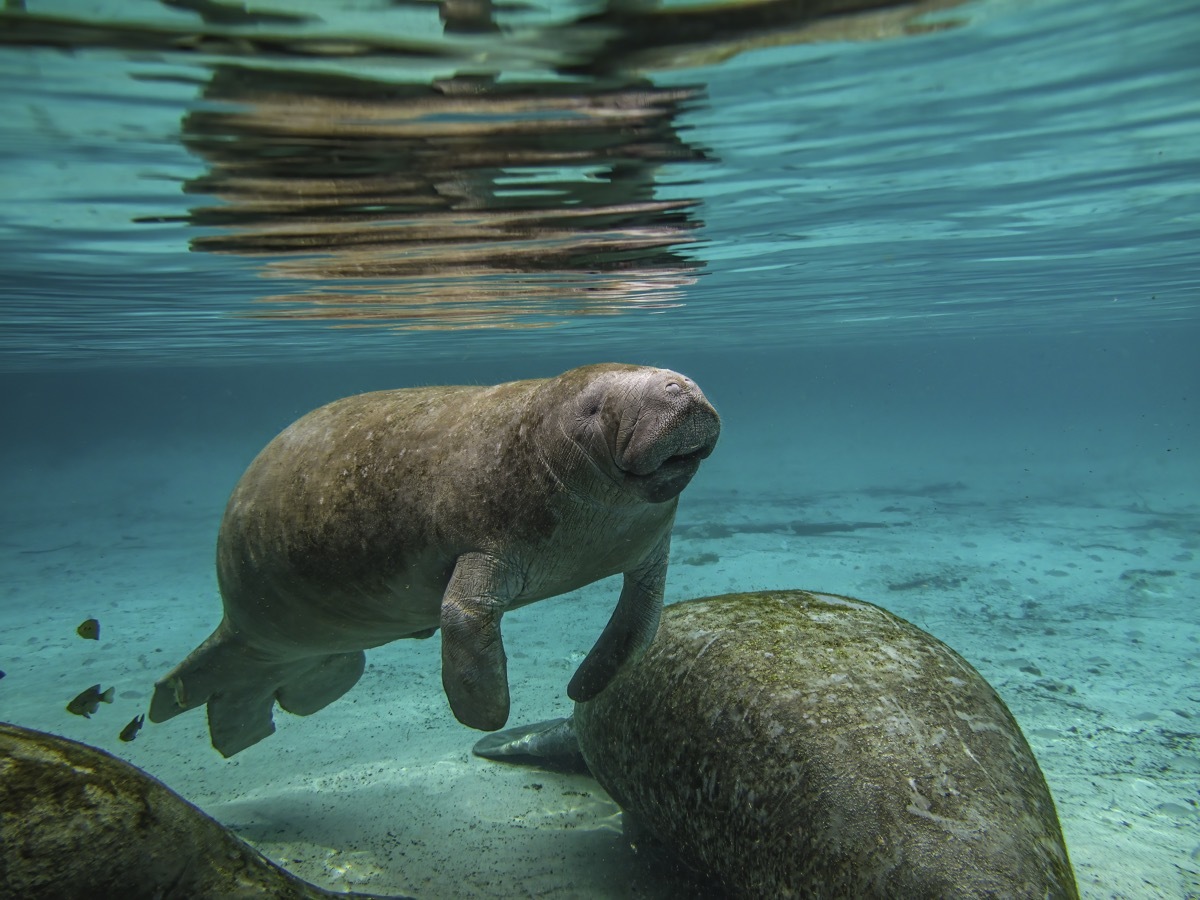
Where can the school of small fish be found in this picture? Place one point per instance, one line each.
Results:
(88, 701)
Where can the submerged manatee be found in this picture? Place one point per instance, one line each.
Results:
(797, 744)
(392, 514)
(77, 822)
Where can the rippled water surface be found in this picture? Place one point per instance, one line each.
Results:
(184, 185)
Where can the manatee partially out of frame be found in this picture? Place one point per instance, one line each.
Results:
(76, 822)
(800, 744)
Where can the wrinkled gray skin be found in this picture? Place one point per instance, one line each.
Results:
(793, 744)
(391, 514)
(76, 822)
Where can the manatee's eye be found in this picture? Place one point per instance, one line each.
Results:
(591, 401)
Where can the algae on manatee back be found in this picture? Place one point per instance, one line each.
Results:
(791, 743)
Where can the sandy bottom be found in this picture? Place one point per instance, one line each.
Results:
(1082, 612)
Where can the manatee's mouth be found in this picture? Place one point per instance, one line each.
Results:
(659, 455)
(689, 458)
(668, 479)
(677, 462)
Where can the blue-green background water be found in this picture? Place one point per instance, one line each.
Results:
(963, 256)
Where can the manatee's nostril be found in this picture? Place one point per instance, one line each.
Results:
(676, 386)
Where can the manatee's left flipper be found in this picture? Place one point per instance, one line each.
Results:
(474, 667)
(630, 630)
(551, 745)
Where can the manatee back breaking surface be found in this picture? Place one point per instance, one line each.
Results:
(78, 822)
(799, 744)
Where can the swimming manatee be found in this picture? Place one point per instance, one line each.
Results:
(76, 822)
(397, 513)
(800, 744)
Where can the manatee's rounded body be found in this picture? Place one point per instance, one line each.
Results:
(792, 744)
(76, 822)
(396, 513)
(344, 531)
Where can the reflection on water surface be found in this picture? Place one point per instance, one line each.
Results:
(196, 182)
(465, 202)
(516, 187)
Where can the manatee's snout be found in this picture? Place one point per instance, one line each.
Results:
(674, 429)
(698, 426)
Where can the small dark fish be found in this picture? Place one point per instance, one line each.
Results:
(89, 701)
(130, 731)
(2, 673)
(89, 629)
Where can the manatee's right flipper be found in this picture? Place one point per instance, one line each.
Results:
(550, 745)
(240, 687)
(630, 629)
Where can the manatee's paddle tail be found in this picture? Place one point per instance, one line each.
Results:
(241, 687)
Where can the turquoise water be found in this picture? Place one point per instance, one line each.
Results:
(943, 283)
